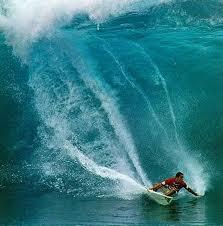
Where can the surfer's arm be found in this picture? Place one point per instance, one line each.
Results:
(191, 191)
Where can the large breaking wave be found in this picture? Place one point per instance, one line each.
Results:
(110, 117)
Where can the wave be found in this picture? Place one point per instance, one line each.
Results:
(105, 105)
(25, 22)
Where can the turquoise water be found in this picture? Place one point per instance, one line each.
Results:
(35, 208)
(100, 99)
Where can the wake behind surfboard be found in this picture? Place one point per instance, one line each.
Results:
(159, 197)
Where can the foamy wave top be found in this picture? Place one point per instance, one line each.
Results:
(26, 20)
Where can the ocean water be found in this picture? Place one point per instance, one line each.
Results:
(100, 99)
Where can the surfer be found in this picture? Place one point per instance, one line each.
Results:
(173, 185)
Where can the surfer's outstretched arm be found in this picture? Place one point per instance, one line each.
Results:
(191, 191)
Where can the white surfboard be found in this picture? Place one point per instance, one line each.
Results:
(159, 197)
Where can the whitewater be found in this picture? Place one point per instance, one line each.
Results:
(112, 96)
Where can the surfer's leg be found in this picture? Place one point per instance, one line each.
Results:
(164, 190)
(171, 192)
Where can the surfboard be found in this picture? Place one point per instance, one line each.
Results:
(159, 197)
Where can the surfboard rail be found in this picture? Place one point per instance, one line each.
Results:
(159, 197)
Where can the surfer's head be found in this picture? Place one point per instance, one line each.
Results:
(179, 176)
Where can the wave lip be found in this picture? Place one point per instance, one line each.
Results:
(26, 21)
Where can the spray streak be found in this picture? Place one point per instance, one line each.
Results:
(164, 85)
(189, 163)
(109, 105)
(115, 118)
(60, 125)
(101, 171)
(134, 86)
(121, 131)
(163, 82)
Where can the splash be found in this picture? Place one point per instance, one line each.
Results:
(25, 22)
(102, 171)
(115, 118)
(197, 175)
(83, 113)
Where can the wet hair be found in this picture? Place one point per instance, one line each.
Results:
(179, 174)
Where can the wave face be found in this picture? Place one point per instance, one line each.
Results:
(110, 95)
